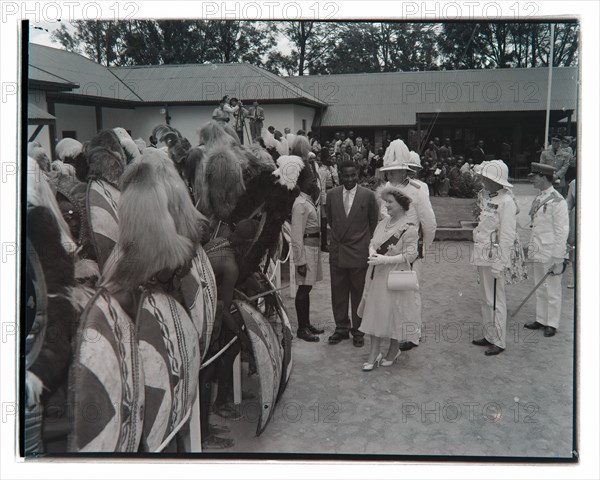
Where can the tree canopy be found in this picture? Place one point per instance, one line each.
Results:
(313, 47)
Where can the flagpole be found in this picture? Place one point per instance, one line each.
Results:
(550, 65)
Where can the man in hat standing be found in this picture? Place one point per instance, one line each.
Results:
(397, 166)
(493, 240)
(560, 160)
(547, 247)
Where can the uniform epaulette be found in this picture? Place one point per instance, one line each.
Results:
(556, 197)
(414, 184)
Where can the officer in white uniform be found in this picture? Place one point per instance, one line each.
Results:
(415, 167)
(493, 239)
(397, 165)
(547, 247)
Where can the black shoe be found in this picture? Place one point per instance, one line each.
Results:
(315, 330)
(533, 325)
(549, 331)
(358, 341)
(337, 338)
(406, 346)
(482, 342)
(306, 334)
(494, 350)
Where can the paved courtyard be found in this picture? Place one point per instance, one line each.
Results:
(444, 397)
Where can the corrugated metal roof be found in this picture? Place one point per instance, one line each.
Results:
(93, 80)
(38, 75)
(209, 83)
(36, 113)
(165, 83)
(374, 99)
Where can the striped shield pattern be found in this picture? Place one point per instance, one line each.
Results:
(36, 304)
(169, 348)
(199, 289)
(106, 379)
(280, 323)
(268, 356)
(102, 200)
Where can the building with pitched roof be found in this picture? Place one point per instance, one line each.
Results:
(499, 106)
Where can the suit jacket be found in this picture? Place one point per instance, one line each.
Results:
(350, 236)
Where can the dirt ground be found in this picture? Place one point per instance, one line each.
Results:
(444, 397)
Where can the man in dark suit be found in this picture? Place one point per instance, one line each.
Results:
(478, 153)
(352, 214)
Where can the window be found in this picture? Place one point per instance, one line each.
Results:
(304, 124)
(69, 134)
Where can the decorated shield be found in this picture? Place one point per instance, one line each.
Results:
(268, 357)
(170, 352)
(36, 305)
(199, 289)
(103, 211)
(106, 380)
(283, 330)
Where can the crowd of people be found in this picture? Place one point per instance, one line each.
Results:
(378, 233)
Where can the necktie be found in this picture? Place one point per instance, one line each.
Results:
(347, 202)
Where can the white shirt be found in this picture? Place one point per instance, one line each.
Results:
(348, 196)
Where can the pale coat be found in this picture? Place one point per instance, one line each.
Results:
(550, 228)
(497, 225)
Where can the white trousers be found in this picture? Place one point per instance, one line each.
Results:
(548, 296)
(494, 322)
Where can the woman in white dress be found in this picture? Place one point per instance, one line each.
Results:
(386, 313)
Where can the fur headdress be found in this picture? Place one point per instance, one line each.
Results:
(218, 182)
(40, 194)
(214, 135)
(102, 157)
(159, 228)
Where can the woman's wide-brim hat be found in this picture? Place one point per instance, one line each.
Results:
(494, 170)
(397, 157)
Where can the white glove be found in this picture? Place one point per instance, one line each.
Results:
(497, 273)
(372, 252)
(557, 269)
(378, 259)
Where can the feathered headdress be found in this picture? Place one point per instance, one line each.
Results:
(132, 152)
(289, 170)
(67, 150)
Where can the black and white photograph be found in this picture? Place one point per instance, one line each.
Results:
(303, 232)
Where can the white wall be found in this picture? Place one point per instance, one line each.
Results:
(187, 119)
(303, 113)
(38, 98)
(80, 118)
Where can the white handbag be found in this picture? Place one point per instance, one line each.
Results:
(403, 280)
